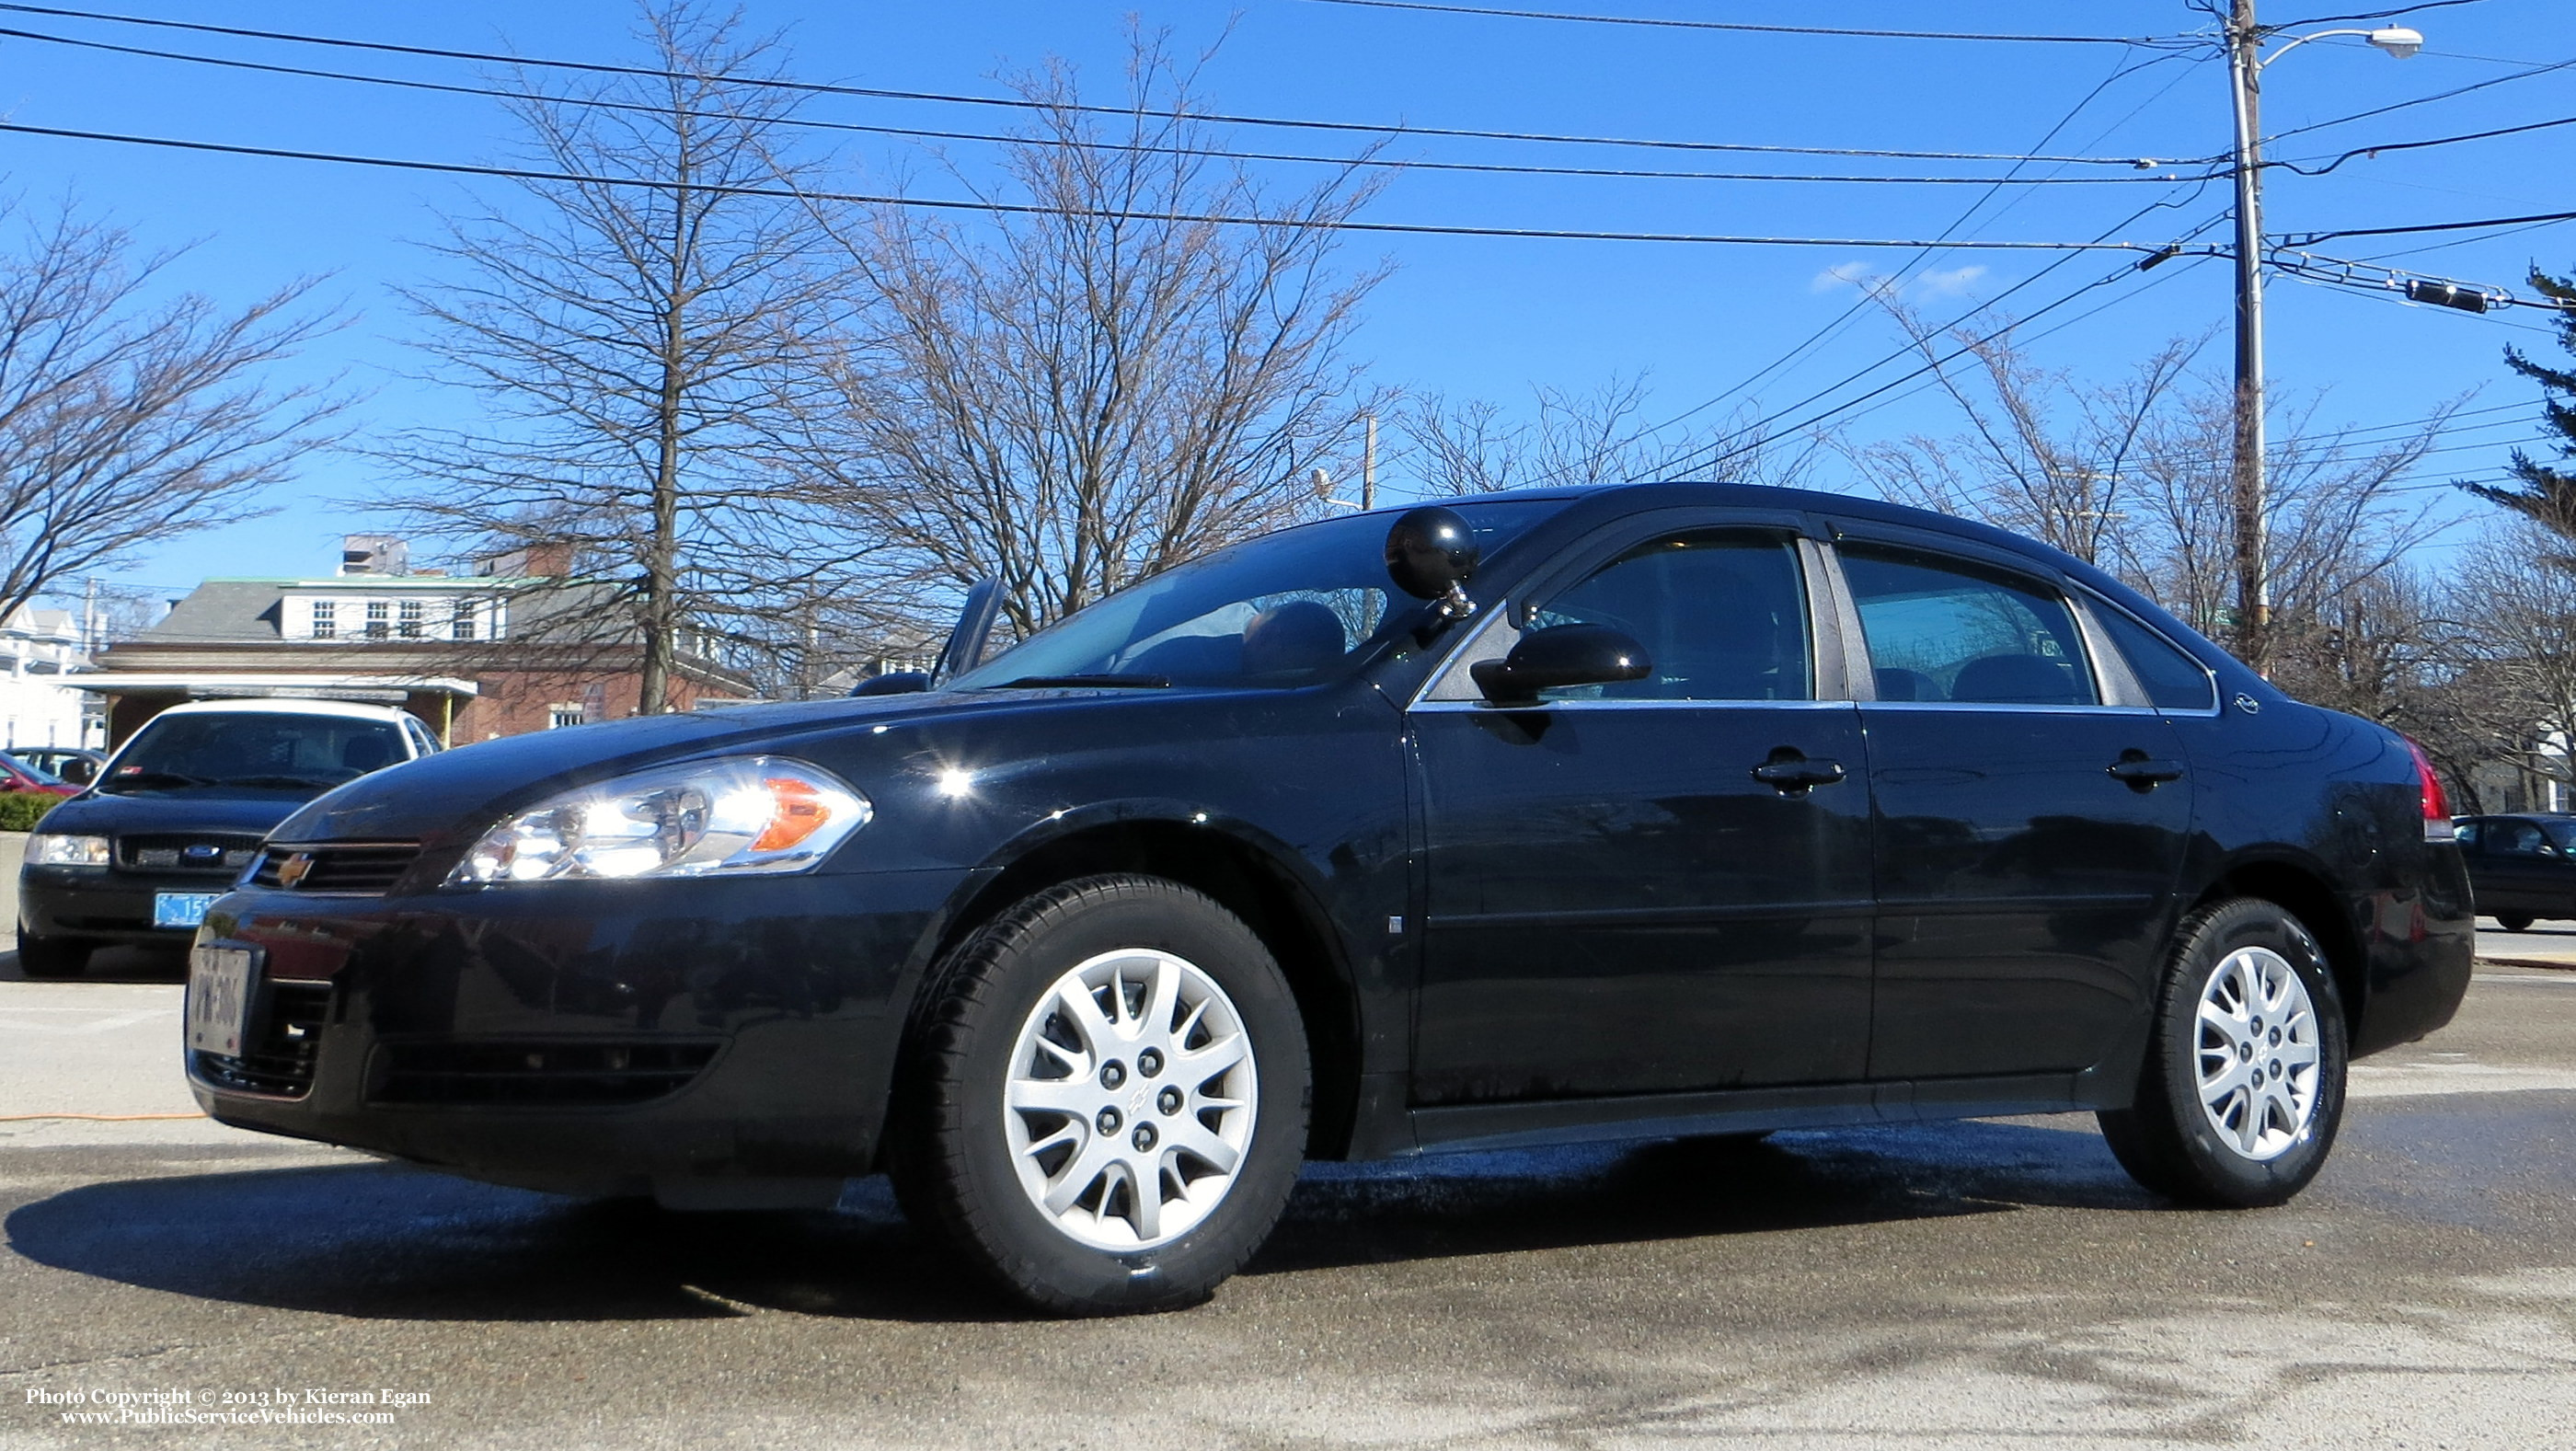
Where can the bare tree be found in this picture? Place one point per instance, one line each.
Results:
(2515, 604)
(2133, 477)
(123, 421)
(623, 328)
(1472, 446)
(1075, 396)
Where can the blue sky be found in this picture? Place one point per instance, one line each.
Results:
(1465, 316)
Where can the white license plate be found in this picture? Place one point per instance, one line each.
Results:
(220, 980)
(181, 909)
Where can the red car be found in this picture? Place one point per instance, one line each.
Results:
(17, 775)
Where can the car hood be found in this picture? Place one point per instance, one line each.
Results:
(97, 813)
(458, 794)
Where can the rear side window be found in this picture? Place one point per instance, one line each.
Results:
(1945, 630)
(2518, 838)
(2173, 680)
(2467, 833)
(1722, 614)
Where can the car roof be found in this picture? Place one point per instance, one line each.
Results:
(349, 709)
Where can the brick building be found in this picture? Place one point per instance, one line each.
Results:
(474, 656)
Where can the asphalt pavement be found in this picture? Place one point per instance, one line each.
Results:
(1935, 1286)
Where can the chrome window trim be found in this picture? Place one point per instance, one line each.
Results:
(2010, 706)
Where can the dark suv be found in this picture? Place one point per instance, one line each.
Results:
(1637, 812)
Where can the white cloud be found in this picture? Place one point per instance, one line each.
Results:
(1945, 284)
(1841, 274)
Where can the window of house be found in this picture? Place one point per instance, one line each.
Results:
(460, 624)
(326, 620)
(380, 615)
(563, 714)
(412, 611)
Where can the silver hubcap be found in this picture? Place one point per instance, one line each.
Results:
(2258, 1059)
(1130, 1100)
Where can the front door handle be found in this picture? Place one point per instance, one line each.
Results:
(1792, 774)
(2142, 772)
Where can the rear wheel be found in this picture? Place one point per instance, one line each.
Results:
(2513, 921)
(2243, 1086)
(1105, 1101)
(52, 956)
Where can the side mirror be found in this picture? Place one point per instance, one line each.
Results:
(893, 682)
(1429, 554)
(78, 771)
(1562, 655)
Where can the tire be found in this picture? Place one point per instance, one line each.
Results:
(2513, 921)
(1050, 1201)
(52, 956)
(2274, 1008)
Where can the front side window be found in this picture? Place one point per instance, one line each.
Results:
(1944, 630)
(1722, 615)
(2466, 834)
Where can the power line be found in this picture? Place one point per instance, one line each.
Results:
(1421, 229)
(921, 133)
(2306, 170)
(1022, 103)
(2548, 68)
(2304, 239)
(1742, 27)
(1717, 453)
(2372, 14)
(1835, 325)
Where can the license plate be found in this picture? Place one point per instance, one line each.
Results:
(181, 909)
(220, 980)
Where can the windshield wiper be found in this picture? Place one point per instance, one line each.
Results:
(153, 778)
(277, 782)
(1125, 682)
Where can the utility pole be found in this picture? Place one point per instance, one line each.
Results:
(1368, 465)
(2253, 584)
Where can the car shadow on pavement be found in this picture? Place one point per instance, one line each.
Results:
(113, 964)
(386, 1241)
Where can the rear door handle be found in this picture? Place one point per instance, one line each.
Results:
(1792, 774)
(2144, 773)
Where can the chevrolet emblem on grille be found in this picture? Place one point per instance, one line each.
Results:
(293, 869)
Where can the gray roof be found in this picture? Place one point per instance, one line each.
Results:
(247, 612)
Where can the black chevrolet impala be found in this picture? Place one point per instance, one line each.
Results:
(1650, 811)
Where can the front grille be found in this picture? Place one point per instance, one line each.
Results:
(186, 852)
(536, 1073)
(277, 1052)
(370, 869)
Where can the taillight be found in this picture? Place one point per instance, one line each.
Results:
(2437, 802)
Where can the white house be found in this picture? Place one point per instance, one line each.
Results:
(39, 706)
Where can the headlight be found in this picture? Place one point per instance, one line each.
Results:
(46, 850)
(747, 816)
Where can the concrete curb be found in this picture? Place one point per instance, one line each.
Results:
(2542, 963)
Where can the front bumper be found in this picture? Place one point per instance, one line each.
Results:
(590, 1037)
(106, 904)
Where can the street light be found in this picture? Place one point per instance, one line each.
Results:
(2245, 64)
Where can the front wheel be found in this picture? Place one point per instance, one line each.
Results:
(1104, 1103)
(2243, 1086)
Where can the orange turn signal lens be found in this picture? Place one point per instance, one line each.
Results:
(796, 812)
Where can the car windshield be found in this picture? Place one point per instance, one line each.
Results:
(1287, 609)
(254, 751)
